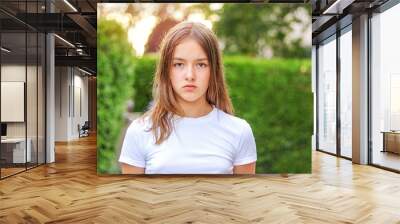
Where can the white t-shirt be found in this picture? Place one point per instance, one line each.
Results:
(211, 144)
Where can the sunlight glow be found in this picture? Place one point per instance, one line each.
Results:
(139, 34)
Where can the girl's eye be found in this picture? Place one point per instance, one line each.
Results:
(177, 65)
(202, 65)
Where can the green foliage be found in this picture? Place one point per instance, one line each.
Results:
(114, 87)
(274, 96)
(250, 28)
(144, 70)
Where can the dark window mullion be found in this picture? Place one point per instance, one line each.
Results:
(45, 88)
(37, 91)
(316, 95)
(369, 89)
(26, 87)
(338, 73)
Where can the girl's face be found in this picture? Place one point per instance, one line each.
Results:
(190, 71)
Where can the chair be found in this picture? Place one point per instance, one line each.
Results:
(84, 130)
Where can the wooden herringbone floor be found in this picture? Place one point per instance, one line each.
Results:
(69, 191)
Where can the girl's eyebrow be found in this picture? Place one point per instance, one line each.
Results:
(202, 59)
(181, 59)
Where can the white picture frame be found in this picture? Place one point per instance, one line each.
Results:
(12, 101)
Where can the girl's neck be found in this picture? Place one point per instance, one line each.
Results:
(195, 109)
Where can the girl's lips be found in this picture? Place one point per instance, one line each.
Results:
(189, 87)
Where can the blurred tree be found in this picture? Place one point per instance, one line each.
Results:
(263, 29)
(134, 13)
(154, 40)
(167, 18)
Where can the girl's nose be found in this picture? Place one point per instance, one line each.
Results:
(190, 73)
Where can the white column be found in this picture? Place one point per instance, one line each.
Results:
(50, 110)
(360, 90)
(50, 93)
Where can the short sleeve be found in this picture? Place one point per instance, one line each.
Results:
(132, 147)
(246, 152)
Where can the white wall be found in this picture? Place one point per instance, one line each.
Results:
(71, 87)
(61, 103)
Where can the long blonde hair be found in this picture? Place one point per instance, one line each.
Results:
(165, 104)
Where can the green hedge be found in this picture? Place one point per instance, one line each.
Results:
(274, 96)
(114, 87)
(143, 84)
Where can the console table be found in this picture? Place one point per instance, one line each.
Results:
(13, 150)
(391, 141)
